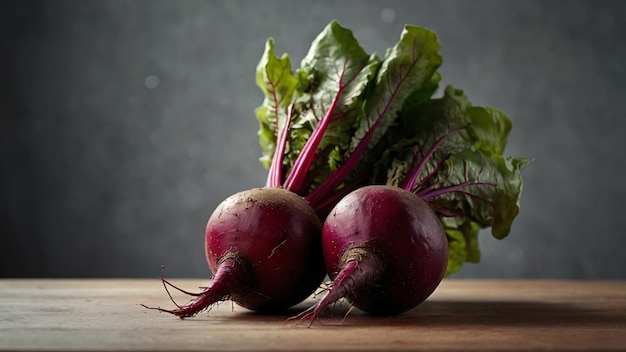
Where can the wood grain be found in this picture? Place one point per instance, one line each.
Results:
(479, 315)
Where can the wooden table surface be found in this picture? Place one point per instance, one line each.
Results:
(481, 315)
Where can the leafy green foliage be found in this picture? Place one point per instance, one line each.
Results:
(466, 179)
(347, 118)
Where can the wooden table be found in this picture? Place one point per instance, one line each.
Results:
(98, 315)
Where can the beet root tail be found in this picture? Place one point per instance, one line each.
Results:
(355, 275)
(229, 277)
(203, 300)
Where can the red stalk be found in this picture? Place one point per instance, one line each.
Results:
(275, 174)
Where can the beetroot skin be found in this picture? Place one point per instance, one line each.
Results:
(385, 250)
(263, 247)
(274, 234)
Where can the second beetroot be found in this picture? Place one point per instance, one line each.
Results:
(385, 250)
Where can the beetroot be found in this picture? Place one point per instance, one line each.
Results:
(252, 239)
(386, 250)
(394, 241)
(278, 226)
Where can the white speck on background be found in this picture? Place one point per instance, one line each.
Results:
(151, 82)
(387, 15)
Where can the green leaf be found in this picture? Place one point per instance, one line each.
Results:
(491, 197)
(275, 79)
(489, 129)
(422, 121)
(462, 244)
(336, 69)
(408, 69)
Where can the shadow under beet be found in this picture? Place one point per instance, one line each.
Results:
(508, 313)
(458, 314)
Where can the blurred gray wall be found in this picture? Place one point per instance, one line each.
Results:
(124, 123)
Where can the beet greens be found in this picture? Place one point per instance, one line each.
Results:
(324, 120)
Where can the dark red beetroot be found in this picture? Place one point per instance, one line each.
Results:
(251, 240)
(278, 226)
(385, 250)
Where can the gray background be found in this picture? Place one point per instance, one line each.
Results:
(124, 123)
